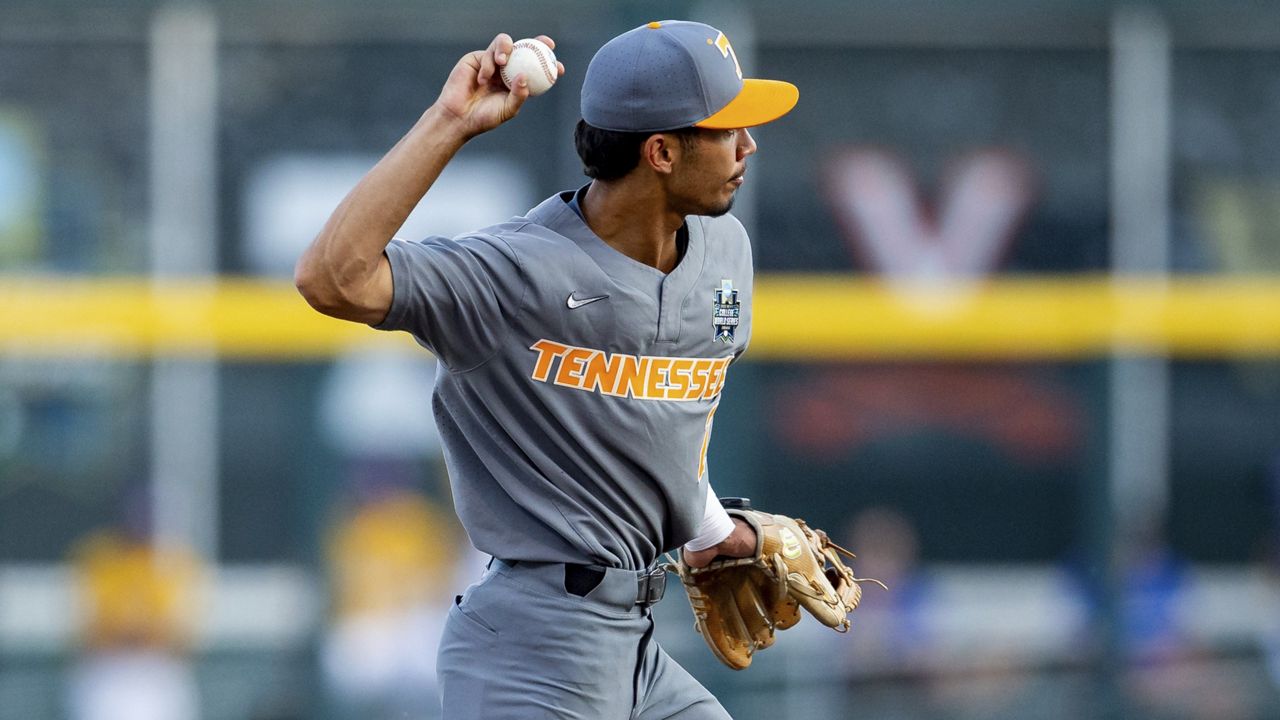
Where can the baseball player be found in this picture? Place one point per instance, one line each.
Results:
(583, 348)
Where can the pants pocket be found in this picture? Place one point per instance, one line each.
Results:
(464, 615)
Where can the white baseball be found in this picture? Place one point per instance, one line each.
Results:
(536, 61)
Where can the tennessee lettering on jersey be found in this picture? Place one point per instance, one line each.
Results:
(642, 377)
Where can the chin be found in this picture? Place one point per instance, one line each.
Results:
(720, 208)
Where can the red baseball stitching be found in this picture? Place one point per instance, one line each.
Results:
(542, 60)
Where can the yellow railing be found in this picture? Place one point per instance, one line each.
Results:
(797, 317)
(1020, 318)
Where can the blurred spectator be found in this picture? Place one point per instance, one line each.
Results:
(139, 608)
(901, 666)
(1154, 578)
(1168, 672)
(892, 635)
(394, 554)
(392, 563)
(888, 648)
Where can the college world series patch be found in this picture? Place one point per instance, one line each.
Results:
(727, 310)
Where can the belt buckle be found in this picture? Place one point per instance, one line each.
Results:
(653, 585)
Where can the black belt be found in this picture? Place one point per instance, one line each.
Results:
(580, 580)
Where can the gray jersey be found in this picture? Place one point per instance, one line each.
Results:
(577, 386)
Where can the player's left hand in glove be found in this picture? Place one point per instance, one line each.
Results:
(738, 603)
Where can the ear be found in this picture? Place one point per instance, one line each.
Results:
(660, 152)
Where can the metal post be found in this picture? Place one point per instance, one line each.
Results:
(1138, 473)
(183, 245)
(1141, 108)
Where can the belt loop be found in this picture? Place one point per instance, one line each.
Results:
(652, 586)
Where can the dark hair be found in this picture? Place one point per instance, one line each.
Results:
(609, 155)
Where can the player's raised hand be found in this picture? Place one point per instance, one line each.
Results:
(475, 95)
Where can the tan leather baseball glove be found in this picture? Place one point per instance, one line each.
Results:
(738, 603)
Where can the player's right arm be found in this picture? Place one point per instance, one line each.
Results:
(345, 273)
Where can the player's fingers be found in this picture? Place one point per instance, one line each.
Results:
(501, 46)
(502, 42)
(559, 68)
(516, 96)
(548, 41)
(473, 59)
(494, 57)
(487, 69)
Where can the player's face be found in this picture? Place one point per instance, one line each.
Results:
(711, 170)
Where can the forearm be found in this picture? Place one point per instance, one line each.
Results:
(345, 272)
(342, 273)
(715, 526)
(719, 535)
(741, 542)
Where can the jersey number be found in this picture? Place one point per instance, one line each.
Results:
(706, 441)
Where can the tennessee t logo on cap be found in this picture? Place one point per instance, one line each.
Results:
(675, 74)
(726, 50)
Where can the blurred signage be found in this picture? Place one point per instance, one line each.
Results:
(909, 236)
(1240, 217)
(21, 171)
(289, 197)
(893, 230)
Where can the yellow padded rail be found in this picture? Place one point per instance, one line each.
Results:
(797, 317)
(1020, 318)
(234, 318)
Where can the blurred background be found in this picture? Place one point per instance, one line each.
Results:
(1017, 345)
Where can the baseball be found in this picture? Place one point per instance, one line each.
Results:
(536, 61)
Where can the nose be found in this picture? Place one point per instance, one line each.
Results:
(746, 144)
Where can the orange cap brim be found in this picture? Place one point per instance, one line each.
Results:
(760, 101)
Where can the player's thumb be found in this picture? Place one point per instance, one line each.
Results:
(516, 96)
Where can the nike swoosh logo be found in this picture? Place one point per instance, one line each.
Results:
(574, 303)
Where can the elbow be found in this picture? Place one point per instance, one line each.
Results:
(311, 285)
(342, 293)
(304, 280)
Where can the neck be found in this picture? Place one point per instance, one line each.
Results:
(632, 216)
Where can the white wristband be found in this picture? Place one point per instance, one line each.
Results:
(716, 525)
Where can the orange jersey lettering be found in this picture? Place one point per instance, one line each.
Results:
(642, 377)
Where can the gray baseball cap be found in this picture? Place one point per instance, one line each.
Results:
(675, 74)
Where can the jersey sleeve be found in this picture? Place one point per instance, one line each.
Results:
(457, 297)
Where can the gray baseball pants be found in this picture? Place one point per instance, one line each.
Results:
(518, 646)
